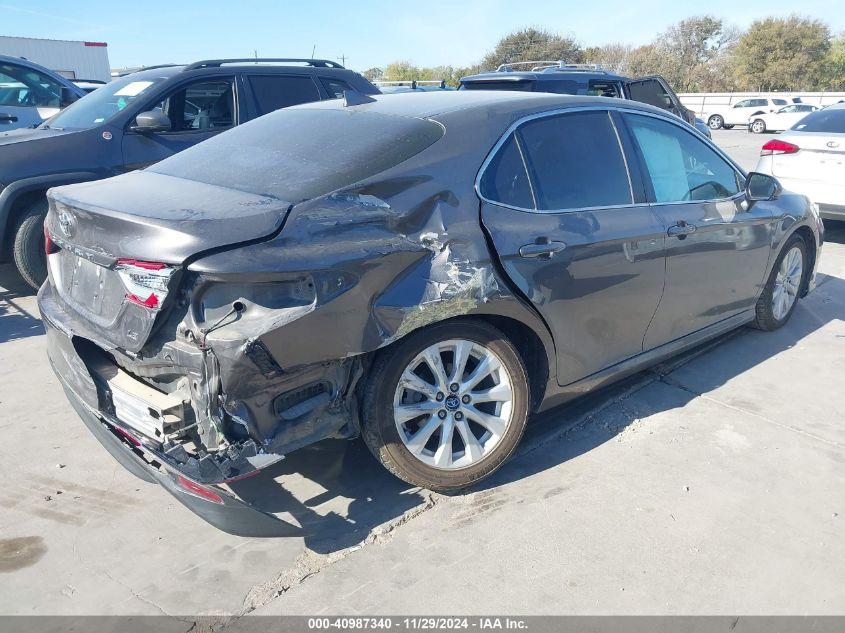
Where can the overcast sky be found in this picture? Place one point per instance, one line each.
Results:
(368, 33)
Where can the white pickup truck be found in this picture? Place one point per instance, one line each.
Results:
(726, 116)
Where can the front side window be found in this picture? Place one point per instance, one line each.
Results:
(779, 101)
(575, 161)
(744, 104)
(105, 102)
(24, 87)
(200, 106)
(680, 166)
(652, 92)
(272, 92)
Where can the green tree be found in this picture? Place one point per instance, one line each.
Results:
(692, 50)
(782, 54)
(532, 44)
(373, 74)
(834, 65)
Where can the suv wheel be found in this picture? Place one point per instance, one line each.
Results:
(715, 122)
(29, 245)
(781, 292)
(758, 126)
(446, 406)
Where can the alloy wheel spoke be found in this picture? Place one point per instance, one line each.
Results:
(412, 381)
(462, 350)
(485, 367)
(407, 412)
(443, 454)
(495, 425)
(435, 364)
(417, 443)
(499, 393)
(472, 447)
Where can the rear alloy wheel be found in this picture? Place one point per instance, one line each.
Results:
(715, 122)
(446, 406)
(28, 248)
(758, 126)
(780, 295)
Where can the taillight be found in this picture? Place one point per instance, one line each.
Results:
(198, 490)
(50, 246)
(777, 146)
(145, 282)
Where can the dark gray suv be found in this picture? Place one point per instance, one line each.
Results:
(137, 120)
(424, 269)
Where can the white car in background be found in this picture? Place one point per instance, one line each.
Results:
(809, 158)
(781, 119)
(726, 116)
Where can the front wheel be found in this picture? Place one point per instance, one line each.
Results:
(28, 248)
(758, 126)
(446, 406)
(715, 122)
(783, 288)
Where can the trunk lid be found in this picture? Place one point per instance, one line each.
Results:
(115, 269)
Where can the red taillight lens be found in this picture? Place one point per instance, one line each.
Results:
(777, 146)
(145, 282)
(199, 490)
(50, 246)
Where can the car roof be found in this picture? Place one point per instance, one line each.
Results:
(504, 103)
(169, 70)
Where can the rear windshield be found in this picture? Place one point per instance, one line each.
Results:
(296, 154)
(831, 120)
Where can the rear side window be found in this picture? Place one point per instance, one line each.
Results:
(779, 101)
(830, 120)
(300, 153)
(271, 92)
(335, 87)
(575, 161)
(505, 180)
(650, 91)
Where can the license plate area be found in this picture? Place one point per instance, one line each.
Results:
(92, 289)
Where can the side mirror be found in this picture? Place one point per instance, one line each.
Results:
(761, 187)
(151, 122)
(67, 97)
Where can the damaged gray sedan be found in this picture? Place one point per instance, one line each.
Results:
(423, 270)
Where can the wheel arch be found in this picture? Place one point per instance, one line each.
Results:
(809, 238)
(18, 196)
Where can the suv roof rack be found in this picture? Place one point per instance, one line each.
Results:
(214, 63)
(140, 68)
(551, 66)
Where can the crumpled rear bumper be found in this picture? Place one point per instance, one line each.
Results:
(221, 509)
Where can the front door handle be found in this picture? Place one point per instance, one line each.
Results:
(681, 229)
(8, 117)
(541, 248)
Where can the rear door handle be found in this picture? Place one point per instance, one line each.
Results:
(8, 117)
(681, 230)
(542, 249)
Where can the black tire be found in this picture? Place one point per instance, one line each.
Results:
(765, 318)
(379, 428)
(715, 122)
(28, 248)
(757, 126)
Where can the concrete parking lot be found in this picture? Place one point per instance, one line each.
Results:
(711, 484)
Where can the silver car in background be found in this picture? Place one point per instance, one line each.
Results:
(809, 158)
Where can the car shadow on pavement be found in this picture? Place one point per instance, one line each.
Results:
(16, 322)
